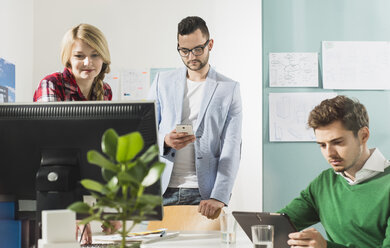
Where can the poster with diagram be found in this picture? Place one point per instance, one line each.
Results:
(7, 81)
(293, 70)
(288, 114)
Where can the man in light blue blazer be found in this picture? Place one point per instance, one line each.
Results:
(200, 167)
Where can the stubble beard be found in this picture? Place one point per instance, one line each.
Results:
(201, 65)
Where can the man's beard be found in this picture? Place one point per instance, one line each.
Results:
(200, 66)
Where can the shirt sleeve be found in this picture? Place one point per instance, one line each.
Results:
(46, 92)
(386, 241)
(302, 210)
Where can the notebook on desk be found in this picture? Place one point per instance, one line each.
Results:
(282, 225)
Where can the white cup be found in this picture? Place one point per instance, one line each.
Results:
(263, 236)
(228, 228)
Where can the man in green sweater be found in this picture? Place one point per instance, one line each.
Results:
(352, 199)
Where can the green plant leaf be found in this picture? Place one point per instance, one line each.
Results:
(104, 202)
(130, 165)
(138, 171)
(94, 157)
(150, 154)
(154, 174)
(93, 185)
(80, 207)
(149, 199)
(127, 178)
(112, 185)
(107, 174)
(129, 146)
(95, 195)
(110, 143)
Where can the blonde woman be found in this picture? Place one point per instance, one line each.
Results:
(86, 58)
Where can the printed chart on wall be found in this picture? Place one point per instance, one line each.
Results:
(135, 84)
(7, 81)
(293, 69)
(132, 84)
(288, 113)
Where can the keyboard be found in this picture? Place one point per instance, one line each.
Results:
(96, 245)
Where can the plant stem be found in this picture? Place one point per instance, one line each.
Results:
(124, 210)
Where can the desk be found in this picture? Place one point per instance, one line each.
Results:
(210, 239)
(196, 239)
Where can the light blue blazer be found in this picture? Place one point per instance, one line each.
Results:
(217, 130)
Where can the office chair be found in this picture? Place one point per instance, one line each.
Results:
(184, 218)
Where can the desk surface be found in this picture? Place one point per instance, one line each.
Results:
(205, 239)
(209, 239)
(201, 239)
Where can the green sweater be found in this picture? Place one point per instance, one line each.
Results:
(352, 215)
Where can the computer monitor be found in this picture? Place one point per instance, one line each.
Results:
(39, 135)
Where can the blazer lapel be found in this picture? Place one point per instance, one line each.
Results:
(179, 93)
(209, 89)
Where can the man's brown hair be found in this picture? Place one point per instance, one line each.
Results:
(352, 114)
(190, 24)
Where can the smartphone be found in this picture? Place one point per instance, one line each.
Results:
(184, 128)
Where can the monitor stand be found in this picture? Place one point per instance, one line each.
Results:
(57, 182)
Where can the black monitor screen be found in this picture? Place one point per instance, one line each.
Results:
(29, 131)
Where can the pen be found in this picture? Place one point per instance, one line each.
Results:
(162, 234)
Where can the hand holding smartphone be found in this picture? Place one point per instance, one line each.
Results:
(184, 128)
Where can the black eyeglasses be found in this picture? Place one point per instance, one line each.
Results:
(197, 51)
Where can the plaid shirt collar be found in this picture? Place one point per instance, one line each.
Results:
(69, 83)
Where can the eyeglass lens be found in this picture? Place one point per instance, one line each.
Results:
(197, 51)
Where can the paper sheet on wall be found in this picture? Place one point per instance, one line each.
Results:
(7, 81)
(288, 114)
(356, 65)
(135, 84)
(113, 79)
(293, 69)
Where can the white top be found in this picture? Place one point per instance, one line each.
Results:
(184, 172)
(374, 165)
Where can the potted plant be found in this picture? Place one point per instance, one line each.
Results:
(127, 174)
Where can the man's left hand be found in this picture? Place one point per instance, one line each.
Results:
(307, 238)
(210, 208)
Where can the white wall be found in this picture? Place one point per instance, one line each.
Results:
(16, 43)
(237, 53)
(142, 34)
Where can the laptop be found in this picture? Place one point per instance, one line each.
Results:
(281, 222)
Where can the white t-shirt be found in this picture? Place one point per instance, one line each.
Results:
(184, 172)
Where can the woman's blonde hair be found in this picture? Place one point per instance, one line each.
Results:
(95, 39)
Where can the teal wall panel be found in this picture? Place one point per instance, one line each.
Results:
(300, 26)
